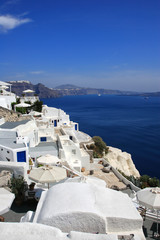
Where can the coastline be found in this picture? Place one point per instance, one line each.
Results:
(130, 124)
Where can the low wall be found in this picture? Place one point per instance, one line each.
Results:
(16, 168)
(125, 181)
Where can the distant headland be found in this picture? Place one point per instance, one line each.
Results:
(68, 89)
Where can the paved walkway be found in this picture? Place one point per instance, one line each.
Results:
(150, 228)
(16, 212)
(110, 178)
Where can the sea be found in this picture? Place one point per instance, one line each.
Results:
(131, 123)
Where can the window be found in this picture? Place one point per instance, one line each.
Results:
(55, 123)
(43, 139)
(74, 151)
(70, 137)
(21, 156)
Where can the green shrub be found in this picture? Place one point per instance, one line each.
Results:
(147, 181)
(18, 100)
(28, 102)
(21, 110)
(99, 147)
(17, 186)
(154, 182)
(37, 106)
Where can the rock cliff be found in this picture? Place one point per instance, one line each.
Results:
(39, 89)
(11, 116)
(121, 161)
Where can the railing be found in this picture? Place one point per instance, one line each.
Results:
(122, 178)
(75, 172)
(30, 98)
(146, 212)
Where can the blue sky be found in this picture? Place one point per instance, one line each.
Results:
(112, 44)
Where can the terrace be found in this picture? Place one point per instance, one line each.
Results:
(44, 148)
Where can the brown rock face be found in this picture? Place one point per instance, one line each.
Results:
(11, 116)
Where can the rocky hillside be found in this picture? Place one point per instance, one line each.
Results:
(121, 161)
(41, 90)
(68, 89)
(63, 90)
(11, 116)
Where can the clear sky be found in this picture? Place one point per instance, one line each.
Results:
(112, 44)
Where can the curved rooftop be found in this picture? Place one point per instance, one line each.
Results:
(87, 208)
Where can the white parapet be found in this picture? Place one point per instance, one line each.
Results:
(41, 232)
(18, 168)
(6, 100)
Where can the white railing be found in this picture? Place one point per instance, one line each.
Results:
(148, 212)
(74, 171)
(122, 178)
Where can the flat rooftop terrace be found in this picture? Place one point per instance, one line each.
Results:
(12, 125)
(43, 149)
(8, 139)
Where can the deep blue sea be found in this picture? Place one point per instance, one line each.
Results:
(126, 122)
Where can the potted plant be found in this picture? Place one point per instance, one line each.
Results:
(17, 187)
(30, 163)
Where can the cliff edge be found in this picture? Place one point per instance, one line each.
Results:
(121, 161)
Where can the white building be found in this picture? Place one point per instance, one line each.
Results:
(29, 97)
(40, 136)
(89, 208)
(57, 117)
(6, 97)
(12, 150)
(70, 210)
(55, 125)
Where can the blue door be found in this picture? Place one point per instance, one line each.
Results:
(76, 127)
(55, 123)
(21, 156)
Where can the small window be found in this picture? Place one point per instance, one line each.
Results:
(43, 139)
(1, 149)
(21, 156)
(73, 151)
(70, 137)
(7, 151)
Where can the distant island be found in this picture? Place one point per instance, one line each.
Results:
(68, 89)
